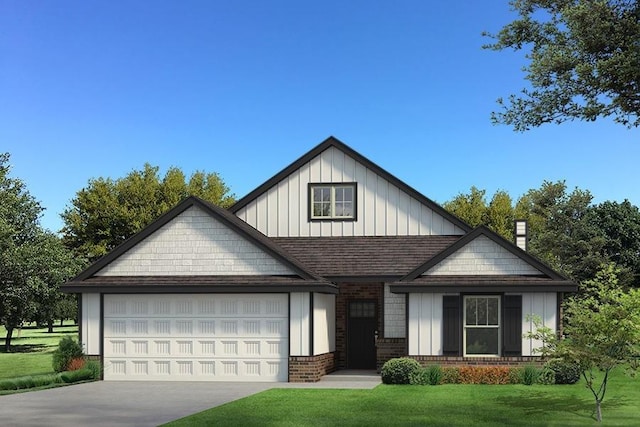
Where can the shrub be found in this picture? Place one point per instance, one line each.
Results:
(450, 375)
(75, 376)
(68, 349)
(95, 368)
(530, 375)
(516, 375)
(546, 376)
(431, 375)
(484, 374)
(399, 370)
(566, 372)
(435, 374)
(75, 364)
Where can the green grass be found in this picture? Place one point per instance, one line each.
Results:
(443, 405)
(31, 350)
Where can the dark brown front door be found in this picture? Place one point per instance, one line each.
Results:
(363, 322)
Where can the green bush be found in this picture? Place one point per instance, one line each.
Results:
(399, 370)
(546, 376)
(530, 375)
(77, 375)
(68, 349)
(430, 375)
(95, 368)
(566, 372)
(516, 376)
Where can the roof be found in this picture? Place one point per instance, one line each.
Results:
(383, 257)
(196, 284)
(334, 142)
(483, 283)
(86, 279)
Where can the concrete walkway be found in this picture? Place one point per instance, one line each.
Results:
(127, 403)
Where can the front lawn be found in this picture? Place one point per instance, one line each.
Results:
(443, 405)
(32, 350)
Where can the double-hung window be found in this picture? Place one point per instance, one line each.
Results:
(332, 201)
(481, 325)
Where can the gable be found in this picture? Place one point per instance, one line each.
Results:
(194, 243)
(482, 256)
(385, 205)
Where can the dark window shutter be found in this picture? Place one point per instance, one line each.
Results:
(451, 325)
(512, 325)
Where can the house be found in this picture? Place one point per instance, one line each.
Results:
(333, 263)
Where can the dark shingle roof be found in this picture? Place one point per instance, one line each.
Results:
(388, 256)
(481, 283)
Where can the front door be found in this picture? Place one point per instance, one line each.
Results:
(363, 322)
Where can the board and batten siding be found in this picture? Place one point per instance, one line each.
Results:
(482, 256)
(383, 209)
(543, 305)
(324, 323)
(91, 323)
(425, 324)
(299, 323)
(194, 243)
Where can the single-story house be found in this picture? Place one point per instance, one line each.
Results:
(333, 263)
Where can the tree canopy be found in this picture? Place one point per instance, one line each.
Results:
(583, 62)
(33, 262)
(107, 211)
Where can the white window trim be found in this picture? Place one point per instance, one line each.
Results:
(465, 326)
(333, 187)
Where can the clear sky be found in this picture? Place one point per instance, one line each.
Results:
(243, 88)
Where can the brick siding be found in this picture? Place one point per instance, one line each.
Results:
(307, 369)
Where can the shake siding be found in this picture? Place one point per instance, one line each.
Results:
(194, 243)
(382, 208)
(482, 256)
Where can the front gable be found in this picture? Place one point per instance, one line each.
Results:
(384, 205)
(195, 243)
(482, 256)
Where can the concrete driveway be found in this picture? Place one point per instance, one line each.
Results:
(119, 403)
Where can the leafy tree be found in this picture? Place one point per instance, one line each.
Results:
(558, 232)
(583, 61)
(33, 262)
(620, 224)
(107, 211)
(470, 207)
(602, 331)
(500, 214)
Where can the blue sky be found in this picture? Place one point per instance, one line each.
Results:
(243, 88)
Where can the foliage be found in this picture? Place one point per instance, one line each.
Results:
(95, 368)
(584, 61)
(484, 374)
(543, 334)
(76, 376)
(76, 363)
(107, 212)
(498, 215)
(530, 375)
(399, 370)
(33, 261)
(565, 372)
(68, 349)
(546, 376)
(603, 331)
(430, 375)
(450, 375)
(516, 375)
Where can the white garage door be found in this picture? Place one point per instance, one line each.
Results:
(200, 337)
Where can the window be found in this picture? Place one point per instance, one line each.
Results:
(481, 326)
(332, 201)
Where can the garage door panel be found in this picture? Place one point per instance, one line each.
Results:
(229, 338)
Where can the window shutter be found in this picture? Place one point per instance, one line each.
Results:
(451, 325)
(512, 325)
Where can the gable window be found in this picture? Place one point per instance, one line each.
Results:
(481, 333)
(332, 201)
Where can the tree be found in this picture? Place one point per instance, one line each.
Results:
(584, 61)
(602, 331)
(107, 211)
(470, 207)
(620, 224)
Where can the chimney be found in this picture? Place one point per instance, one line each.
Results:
(520, 233)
